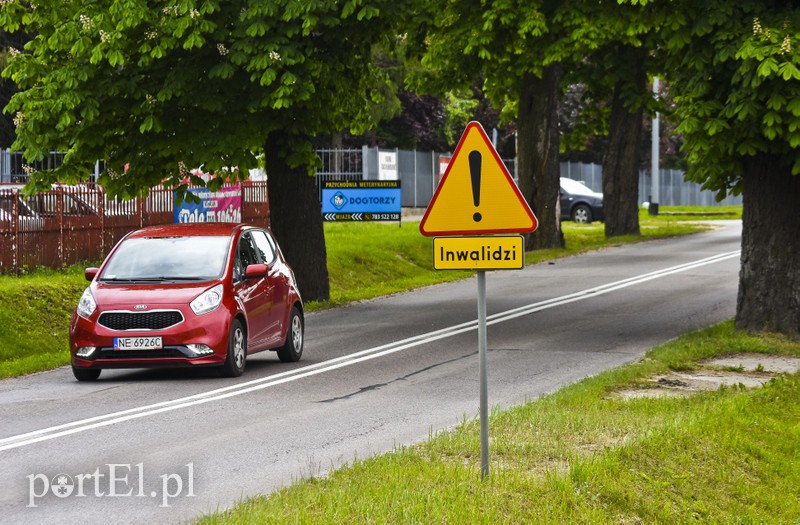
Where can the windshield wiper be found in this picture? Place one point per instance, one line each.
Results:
(167, 278)
(151, 279)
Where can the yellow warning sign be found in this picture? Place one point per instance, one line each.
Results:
(476, 194)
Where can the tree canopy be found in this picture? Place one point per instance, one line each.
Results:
(735, 71)
(158, 88)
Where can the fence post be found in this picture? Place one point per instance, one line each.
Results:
(60, 214)
(140, 205)
(415, 176)
(5, 165)
(434, 171)
(101, 212)
(15, 229)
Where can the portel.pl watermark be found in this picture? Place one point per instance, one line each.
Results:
(112, 480)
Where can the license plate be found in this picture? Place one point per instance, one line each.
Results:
(137, 343)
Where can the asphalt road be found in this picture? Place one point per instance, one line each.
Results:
(167, 446)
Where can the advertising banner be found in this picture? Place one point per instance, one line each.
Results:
(223, 205)
(364, 200)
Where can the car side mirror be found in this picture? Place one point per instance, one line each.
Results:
(90, 273)
(254, 271)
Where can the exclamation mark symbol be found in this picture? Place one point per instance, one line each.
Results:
(475, 175)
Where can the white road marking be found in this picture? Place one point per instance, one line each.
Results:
(83, 425)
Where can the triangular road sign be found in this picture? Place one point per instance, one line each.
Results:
(476, 194)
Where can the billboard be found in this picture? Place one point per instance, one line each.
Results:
(223, 205)
(364, 200)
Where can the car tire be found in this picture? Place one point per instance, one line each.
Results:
(86, 374)
(237, 351)
(292, 349)
(582, 214)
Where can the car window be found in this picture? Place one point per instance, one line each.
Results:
(153, 258)
(575, 187)
(246, 255)
(7, 205)
(265, 248)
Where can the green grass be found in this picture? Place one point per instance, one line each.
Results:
(365, 260)
(373, 259)
(583, 455)
(35, 313)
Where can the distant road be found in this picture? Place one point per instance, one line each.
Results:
(166, 446)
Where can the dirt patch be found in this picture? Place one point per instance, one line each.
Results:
(748, 370)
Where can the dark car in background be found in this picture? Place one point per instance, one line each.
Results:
(74, 202)
(200, 294)
(27, 218)
(579, 203)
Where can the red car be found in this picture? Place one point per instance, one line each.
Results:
(187, 294)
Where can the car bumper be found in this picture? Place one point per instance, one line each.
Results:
(178, 342)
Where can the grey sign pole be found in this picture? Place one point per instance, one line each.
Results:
(482, 350)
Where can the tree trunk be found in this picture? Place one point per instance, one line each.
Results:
(769, 280)
(296, 221)
(537, 155)
(623, 156)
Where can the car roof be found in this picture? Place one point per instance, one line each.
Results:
(194, 229)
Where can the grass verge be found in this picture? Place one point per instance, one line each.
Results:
(364, 261)
(582, 455)
(35, 313)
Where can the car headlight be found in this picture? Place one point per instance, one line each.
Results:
(87, 306)
(207, 301)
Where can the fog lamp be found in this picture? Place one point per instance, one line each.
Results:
(200, 350)
(85, 351)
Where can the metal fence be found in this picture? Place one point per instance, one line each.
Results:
(420, 171)
(673, 189)
(73, 224)
(14, 168)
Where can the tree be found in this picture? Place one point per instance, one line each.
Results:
(623, 157)
(508, 44)
(734, 70)
(613, 56)
(158, 88)
(10, 44)
(529, 52)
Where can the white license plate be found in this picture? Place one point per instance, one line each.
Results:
(137, 343)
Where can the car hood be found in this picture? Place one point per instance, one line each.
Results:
(589, 193)
(117, 294)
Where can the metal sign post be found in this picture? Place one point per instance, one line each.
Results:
(484, 396)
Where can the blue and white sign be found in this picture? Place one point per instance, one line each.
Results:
(366, 200)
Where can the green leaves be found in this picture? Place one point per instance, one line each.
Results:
(737, 78)
(768, 67)
(789, 71)
(168, 87)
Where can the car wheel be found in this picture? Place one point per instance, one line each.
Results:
(237, 351)
(582, 214)
(86, 374)
(292, 349)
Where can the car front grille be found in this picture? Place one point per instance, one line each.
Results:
(140, 320)
(110, 353)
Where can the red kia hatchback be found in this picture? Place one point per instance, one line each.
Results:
(187, 294)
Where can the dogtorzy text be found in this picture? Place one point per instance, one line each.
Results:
(112, 480)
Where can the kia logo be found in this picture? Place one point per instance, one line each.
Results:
(140, 307)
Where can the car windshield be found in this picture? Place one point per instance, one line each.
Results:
(575, 187)
(193, 258)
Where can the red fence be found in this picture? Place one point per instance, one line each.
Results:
(73, 224)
